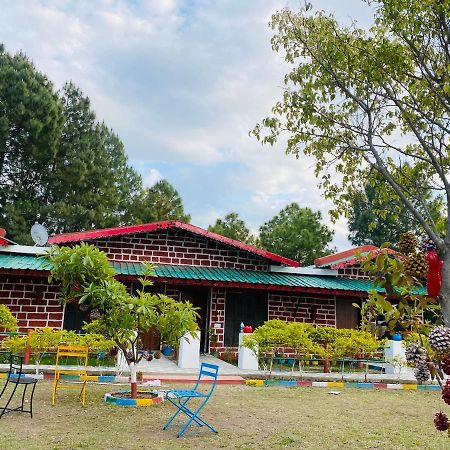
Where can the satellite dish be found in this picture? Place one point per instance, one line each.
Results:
(39, 234)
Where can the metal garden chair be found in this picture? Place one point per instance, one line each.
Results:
(179, 398)
(16, 377)
(74, 351)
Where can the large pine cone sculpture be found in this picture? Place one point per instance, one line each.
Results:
(416, 265)
(439, 339)
(422, 373)
(415, 354)
(446, 393)
(445, 365)
(407, 243)
(441, 421)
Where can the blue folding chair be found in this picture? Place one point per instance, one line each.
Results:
(180, 397)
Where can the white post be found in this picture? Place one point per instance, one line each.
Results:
(247, 359)
(189, 353)
(394, 351)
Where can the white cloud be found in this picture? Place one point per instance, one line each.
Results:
(152, 177)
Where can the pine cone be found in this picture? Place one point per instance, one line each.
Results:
(416, 265)
(439, 339)
(445, 365)
(422, 373)
(407, 243)
(415, 354)
(441, 421)
(446, 393)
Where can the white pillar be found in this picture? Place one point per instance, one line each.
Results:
(394, 354)
(246, 357)
(189, 353)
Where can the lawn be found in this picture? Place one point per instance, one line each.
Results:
(246, 417)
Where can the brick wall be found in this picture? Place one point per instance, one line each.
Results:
(321, 311)
(218, 316)
(353, 273)
(178, 247)
(33, 301)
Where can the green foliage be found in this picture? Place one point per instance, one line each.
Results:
(307, 339)
(77, 268)
(401, 307)
(7, 321)
(296, 233)
(46, 339)
(174, 319)
(233, 227)
(375, 219)
(161, 202)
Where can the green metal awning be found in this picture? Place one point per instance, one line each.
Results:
(206, 274)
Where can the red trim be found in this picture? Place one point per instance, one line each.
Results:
(329, 259)
(132, 229)
(357, 261)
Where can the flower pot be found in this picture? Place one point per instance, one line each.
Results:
(167, 350)
(397, 337)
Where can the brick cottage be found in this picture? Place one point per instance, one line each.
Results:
(229, 281)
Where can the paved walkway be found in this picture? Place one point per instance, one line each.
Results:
(165, 369)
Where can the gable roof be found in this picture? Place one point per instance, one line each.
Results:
(168, 224)
(350, 257)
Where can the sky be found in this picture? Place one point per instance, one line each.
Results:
(182, 82)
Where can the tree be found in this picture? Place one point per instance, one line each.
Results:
(370, 220)
(296, 233)
(85, 274)
(57, 163)
(371, 100)
(31, 121)
(233, 227)
(161, 202)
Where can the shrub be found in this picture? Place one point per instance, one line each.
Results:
(7, 321)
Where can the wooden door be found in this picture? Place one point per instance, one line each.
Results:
(347, 316)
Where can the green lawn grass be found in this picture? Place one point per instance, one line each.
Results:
(246, 417)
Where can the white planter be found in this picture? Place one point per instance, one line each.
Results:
(246, 357)
(189, 352)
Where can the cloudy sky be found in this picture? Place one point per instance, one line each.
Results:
(182, 82)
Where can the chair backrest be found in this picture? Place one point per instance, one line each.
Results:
(15, 364)
(208, 371)
(77, 351)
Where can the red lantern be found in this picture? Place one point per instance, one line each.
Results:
(248, 329)
(434, 276)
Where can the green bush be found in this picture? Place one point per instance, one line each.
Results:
(7, 321)
(307, 339)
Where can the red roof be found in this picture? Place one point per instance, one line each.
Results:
(349, 257)
(168, 224)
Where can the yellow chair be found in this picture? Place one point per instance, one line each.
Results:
(76, 351)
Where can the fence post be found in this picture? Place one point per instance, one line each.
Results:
(27, 352)
(326, 361)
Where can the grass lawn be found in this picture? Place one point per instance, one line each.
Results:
(246, 417)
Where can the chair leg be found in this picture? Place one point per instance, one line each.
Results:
(55, 385)
(5, 409)
(4, 387)
(194, 417)
(31, 400)
(23, 396)
(83, 394)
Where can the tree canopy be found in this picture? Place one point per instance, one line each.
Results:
(234, 227)
(378, 100)
(371, 222)
(161, 202)
(296, 233)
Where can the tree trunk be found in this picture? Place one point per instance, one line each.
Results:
(445, 288)
(133, 379)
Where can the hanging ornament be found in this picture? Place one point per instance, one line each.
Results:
(434, 275)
